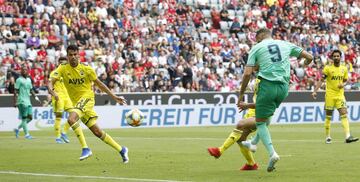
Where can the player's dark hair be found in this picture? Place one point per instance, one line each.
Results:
(72, 48)
(263, 31)
(336, 51)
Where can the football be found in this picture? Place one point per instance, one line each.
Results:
(134, 117)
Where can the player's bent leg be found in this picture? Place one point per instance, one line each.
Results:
(230, 140)
(106, 138)
(247, 126)
(233, 137)
(75, 125)
(250, 162)
(248, 123)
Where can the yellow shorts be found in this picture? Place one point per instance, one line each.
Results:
(63, 104)
(85, 109)
(250, 114)
(335, 102)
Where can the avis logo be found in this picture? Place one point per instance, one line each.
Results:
(76, 81)
(337, 78)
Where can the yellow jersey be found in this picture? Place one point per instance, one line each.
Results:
(334, 77)
(59, 87)
(77, 80)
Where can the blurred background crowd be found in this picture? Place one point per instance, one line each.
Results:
(172, 45)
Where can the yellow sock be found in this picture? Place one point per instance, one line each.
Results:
(110, 141)
(66, 128)
(231, 139)
(247, 154)
(57, 127)
(327, 125)
(345, 124)
(79, 133)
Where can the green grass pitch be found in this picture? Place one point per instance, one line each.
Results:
(179, 154)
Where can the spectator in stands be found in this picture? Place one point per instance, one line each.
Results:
(31, 53)
(33, 41)
(2, 82)
(235, 26)
(166, 34)
(224, 15)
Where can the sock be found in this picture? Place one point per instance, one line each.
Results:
(57, 127)
(327, 125)
(110, 141)
(345, 124)
(66, 128)
(247, 154)
(24, 126)
(20, 125)
(256, 139)
(79, 133)
(230, 140)
(265, 137)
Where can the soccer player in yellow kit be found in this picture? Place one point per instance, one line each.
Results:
(60, 104)
(240, 133)
(336, 76)
(78, 79)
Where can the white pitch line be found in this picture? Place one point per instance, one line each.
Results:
(84, 177)
(177, 139)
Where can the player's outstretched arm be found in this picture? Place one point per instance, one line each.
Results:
(104, 88)
(308, 57)
(51, 88)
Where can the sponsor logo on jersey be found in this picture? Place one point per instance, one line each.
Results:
(77, 81)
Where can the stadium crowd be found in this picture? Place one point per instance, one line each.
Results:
(169, 45)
